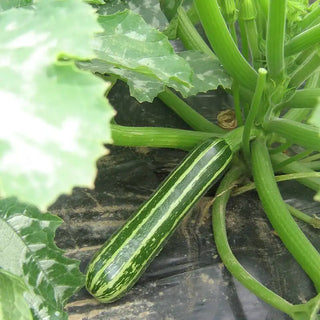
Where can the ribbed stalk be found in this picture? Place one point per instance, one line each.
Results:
(297, 114)
(303, 41)
(236, 102)
(305, 135)
(296, 167)
(310, 19)
(275, 39)
(189, 36)
(304, 98)
(292, 159)
(244, 40)
(261, 21)
(224, 250)
(194, 119)
(313, 221)
(314, 165)
(279, 178)
(223, 44)
(313, 81)
(285, 226)
(229, 11)
(157, 137)
(254, 109)
(304, 56)
(248, 14)
(305, 71)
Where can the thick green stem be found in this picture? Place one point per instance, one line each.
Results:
(279, 178)
(223, 44)
(244, 40)
(314, 165)
(313, 221)
(193, 14)
(189, 36)
(313, 81)
(236, 102)
(305, 135)
(248, 14)
(229, 11)
(157, 137)
(252, 36)
(194, 119)
(303, 57)
(282, 148)
(254, 109)
(310, 19)
(275, 39)
(264, 5)
(297, 114)
(234, 138)
(294, 158)
(285, 226)
(296, 168)
(304, 98)
(303, 41)
(225, 252)
(313, 157)
(305, 71)
(233, 32)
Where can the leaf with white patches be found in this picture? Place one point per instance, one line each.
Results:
(28, 251)
(149, 10)
(208, 73)
(8, 4)
(12, 302)
(49, 106)
(140, 55)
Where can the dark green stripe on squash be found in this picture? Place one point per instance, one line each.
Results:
(124, 257)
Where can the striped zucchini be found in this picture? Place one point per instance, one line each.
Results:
(123, 258)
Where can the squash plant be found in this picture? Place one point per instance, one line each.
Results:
(55, 119)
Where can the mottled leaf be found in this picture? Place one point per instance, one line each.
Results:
(8, 4)
(170, 7)
(49, 106)
(95, 1)
(12, 302)
(139, 54)
(138, 82)
(208, 73)
(27, 250)
(149, 10)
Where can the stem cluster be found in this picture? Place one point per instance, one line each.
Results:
(276, 71)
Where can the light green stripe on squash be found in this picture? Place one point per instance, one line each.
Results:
(122, 259)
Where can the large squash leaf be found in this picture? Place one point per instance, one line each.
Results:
(28, 251)
(54, 117)
(139, 54)
(12, 302)
(8, 4)
(208, 73)
(149, 10)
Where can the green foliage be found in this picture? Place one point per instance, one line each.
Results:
(28, 251)
(8, 4)
(149, 10)
(140, 55)
(55, 115)
(45, 148)
(208, 73)
(12, 302)
(143, 57)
